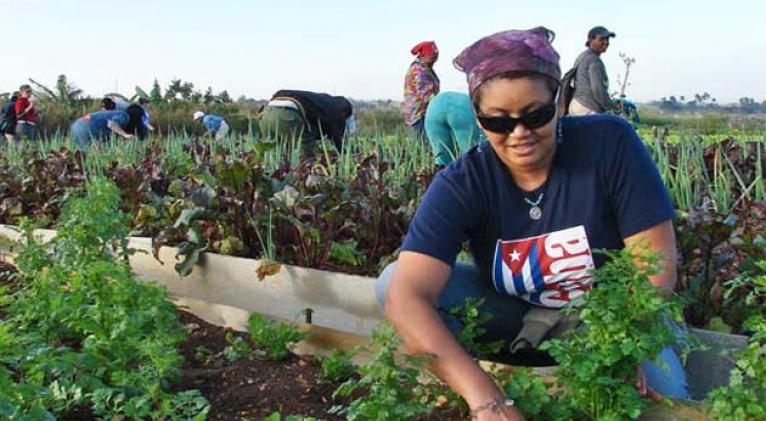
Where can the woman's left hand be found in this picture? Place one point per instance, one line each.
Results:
(642, 386)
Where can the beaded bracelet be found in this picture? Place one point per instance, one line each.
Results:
(493, 405)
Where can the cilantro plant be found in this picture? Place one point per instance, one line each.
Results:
(273, 337)
(394, 390)
(237, 348)
(532, 394)
(473, 321)
(338, 365)
(744, 398)
(622, 325)
(88, 334)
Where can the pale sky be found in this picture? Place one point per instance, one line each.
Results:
(361, 48)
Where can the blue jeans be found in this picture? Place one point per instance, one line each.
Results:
(25, 131)
(668, 377)
(80, 132)
(419, 130)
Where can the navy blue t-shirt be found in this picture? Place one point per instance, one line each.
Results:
(603, 187)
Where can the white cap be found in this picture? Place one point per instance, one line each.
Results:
(198, 115)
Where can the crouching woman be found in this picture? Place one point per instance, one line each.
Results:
(533, 203)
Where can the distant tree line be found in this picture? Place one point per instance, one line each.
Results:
(705, 102)
(67, 93)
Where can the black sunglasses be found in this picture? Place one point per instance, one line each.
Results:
(531, 120)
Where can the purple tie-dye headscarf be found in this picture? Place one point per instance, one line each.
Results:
(507, 51)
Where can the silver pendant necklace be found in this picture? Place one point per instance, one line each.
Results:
(535, 212)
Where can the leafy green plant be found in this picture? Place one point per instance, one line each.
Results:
(394, 392)
(743, 399)
(237, 348)
(532, 394)
(204, 355)
(473, 319)
(338, 365)
(90, 334)
(273, 337)
(278, 417)
(623, 324)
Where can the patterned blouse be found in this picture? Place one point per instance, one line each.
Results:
(420, 85)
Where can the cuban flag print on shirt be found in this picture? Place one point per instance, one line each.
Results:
(549, 270)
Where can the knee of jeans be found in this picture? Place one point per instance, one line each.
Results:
(667, 375)
(382, 284)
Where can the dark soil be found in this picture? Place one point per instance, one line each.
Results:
(254, 388)
(250, 388)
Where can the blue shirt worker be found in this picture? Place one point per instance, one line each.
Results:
(215, 126)
(146, 119)
(101, 124)
(451, 126)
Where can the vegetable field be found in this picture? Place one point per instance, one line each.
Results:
(81, 339)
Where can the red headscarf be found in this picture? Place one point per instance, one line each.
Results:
(425, 48)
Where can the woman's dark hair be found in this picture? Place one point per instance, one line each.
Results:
(552, 84)
(136, 121)
(108, 103)
(143, 101)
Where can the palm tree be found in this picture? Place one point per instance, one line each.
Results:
(66, 92)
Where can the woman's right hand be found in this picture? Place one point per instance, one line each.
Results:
(507, 413)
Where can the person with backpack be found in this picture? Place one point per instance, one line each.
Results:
(8, 122)
(591, 84)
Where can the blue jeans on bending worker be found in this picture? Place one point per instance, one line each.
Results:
(666, 377)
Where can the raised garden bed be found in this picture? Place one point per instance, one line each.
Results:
(225, 290)
(85, 270)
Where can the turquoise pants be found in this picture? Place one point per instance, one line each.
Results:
(451, 126)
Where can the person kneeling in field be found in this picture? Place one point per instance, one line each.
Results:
(533, 202)
(215, 126)
(451, 126)
(307, 116)
(100, 125)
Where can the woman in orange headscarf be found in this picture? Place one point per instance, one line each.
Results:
(420, 85)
